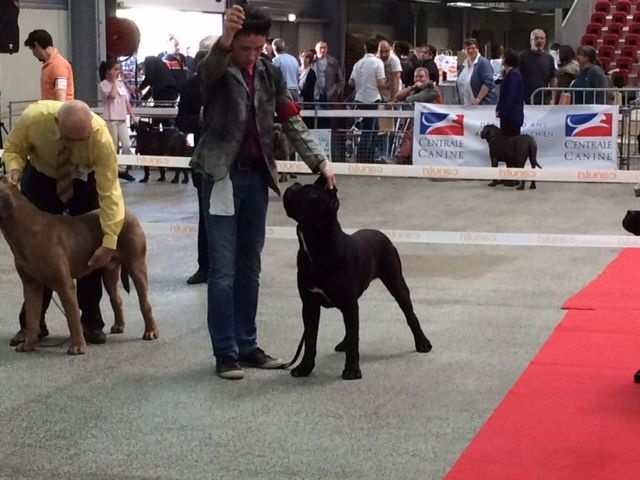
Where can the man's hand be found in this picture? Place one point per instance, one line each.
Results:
(327, 171)
(101, 257)
(13, 177)
(233, 20)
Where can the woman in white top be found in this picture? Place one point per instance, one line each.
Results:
(115, 107)
(475, 77)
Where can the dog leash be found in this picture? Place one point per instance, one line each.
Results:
(297, 354)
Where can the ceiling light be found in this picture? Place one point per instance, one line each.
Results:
(459, 4)
(291, 17)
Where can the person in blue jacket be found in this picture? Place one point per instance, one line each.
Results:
(510, 108)
(475, 77)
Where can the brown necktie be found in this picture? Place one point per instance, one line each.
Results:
(64, 175)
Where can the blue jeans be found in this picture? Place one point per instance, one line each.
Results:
(235, 245)
(367, 147)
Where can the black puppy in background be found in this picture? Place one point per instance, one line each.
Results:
(334, 269)
(513, 151)
(169, 142)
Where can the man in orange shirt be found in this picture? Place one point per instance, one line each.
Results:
(56, 80)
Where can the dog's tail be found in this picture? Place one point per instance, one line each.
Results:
(533, 155)
(124, 278)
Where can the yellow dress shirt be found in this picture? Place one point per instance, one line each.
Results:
(36, 138)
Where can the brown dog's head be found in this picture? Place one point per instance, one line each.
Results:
(7, 201)
(488, 132)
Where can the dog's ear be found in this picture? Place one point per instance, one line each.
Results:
(321, 181)
(6, 201)
(335, 201)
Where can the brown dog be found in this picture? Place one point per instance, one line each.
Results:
(53, 250)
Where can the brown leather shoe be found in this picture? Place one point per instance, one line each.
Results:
(96, 337)
(19, 337)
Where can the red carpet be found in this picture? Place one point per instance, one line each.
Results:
(617, 287)
(574, 414)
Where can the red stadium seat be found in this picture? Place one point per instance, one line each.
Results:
(632, 39)
(589, 39)
(594, 29)
(636, 16)
(629, 51)
(611, 39)
(603, 6)
(605, 62)
(624, 63)
(615, 29)
(622, 6)
(599, 17)
(619, 17)
(634, 27)
(606, 51)
(623, 75)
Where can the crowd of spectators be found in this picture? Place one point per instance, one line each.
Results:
(396, 72)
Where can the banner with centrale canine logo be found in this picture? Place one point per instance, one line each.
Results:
(575, 137)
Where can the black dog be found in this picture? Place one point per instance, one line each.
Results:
(631, 222)
(169, 142)
(513, 151)
(334, 269)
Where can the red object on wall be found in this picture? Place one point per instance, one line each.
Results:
(123, 37)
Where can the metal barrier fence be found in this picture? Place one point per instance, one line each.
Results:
(363, 133)
(382, 133)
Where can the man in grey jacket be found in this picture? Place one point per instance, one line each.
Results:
(243, 94)
(330, 80)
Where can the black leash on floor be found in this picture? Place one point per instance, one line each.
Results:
(295, 357)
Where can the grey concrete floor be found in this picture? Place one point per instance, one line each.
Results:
(131, 409)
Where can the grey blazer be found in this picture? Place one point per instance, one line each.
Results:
(227, 109)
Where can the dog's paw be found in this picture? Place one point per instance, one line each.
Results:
(520, 187)
(151, 334)
(532, 186)
(78, 349)
(423, 346)
(302, 370)
(24, 347)
(117, 328)
(352, 374)
(340, 347)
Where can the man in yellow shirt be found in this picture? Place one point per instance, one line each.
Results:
(53, 137)
(56, 79)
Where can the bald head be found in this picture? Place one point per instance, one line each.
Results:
(384, 50)
(74, 120)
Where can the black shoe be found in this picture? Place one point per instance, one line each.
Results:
(175, 179)
(96, 337)
(229, 370)
(259, 359)
(126, 176)
(161, 178)
(19, 337)
(144, 179)
(185, 180)
(196, 278)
